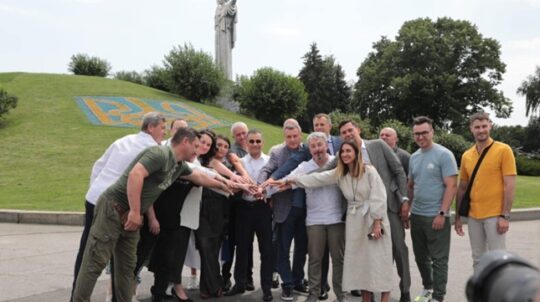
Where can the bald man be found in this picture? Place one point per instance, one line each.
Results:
(389, 135)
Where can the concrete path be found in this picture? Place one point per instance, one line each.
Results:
(36, 263)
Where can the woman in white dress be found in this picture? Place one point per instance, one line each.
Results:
(368, 246)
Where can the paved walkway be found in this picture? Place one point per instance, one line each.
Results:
(36, 263)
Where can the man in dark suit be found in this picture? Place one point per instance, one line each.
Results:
(377, 153)
(289, 215)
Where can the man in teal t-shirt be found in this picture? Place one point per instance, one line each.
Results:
(432, 186)
(119, 211)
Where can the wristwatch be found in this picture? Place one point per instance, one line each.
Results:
(442, 213)
(505, 216)
(404, 199)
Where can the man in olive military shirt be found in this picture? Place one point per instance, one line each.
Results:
(118, 212)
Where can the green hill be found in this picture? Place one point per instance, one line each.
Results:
(48, 146)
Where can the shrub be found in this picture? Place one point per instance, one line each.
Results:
(82, 64)
(192, 74)
(527, 166)
(337, 117)
(129, 76)
(7, 102)
(271, 96)
(454, 142)
(156, 77)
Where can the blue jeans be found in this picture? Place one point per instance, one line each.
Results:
(293, 227)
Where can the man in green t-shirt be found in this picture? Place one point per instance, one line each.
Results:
(119, 211)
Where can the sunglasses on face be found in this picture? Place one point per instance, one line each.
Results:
(255, 141)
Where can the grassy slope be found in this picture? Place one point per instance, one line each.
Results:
(48, 146)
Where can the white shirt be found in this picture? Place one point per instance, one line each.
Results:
(253, 167)
(365, 154)
(323, 204)
(112, 164)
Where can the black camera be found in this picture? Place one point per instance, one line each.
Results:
(503, 277)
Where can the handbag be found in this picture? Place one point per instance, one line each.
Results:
(465, 205)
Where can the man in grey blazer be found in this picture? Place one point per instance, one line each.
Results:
(289, 214)
(377, 153)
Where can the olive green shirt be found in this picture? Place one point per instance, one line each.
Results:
(162, 168)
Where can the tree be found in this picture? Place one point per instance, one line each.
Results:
(445, 70)
(192, 73)
(271, 95)
(7, 102)
(82, 64)
(532, 136)
(530, 88)
(325, 84)
(129, 76)
(156, 77)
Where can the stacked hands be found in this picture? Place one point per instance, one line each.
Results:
(240, 183)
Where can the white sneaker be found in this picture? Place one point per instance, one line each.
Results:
(193, 283)
(424, 296)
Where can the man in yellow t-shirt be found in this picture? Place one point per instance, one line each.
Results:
(492, 193)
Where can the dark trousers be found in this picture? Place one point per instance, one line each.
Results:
(88, 217)
(210, 280)
(293, 227)
(256, 219)
(325, 264)
(232, 246)
(167, 258)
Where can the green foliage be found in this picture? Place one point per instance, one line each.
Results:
(156, 77)
(7, 102)
(444, 69)
(453, 142)
(325, 84)
(192, 73)
(527, 165)
(271, 96)
(530, 88)
(404, 133)
(531, 143)
(337, 117)
(129, 76)
(514, 136)
(82, 64)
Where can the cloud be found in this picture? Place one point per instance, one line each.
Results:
(18, 11)
(282, 31)
(531, 3)
(532, 44)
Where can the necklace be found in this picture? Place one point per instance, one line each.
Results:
(354, 186)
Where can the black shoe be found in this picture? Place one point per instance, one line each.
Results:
(324, 295)
(301, 289)
(235, 290)
(356, 293)
(267, 296)
(327, 287)
(157, 297)
(286, 294)
(249, 285)
(177, 298)
(227, 285)
(405, 297)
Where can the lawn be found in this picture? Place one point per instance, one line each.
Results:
(48, 145)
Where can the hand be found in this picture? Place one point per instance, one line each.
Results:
(405, 215)
(376, 229)
(241, 179)
(502, 225)
(225, 188)
(267, 182)
(458, 226)
(154, 226)
(438, 222)
(133, 222)
(259, 193)
(284, 186)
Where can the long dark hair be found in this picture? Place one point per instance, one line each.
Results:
(343, 169)
(206, 158)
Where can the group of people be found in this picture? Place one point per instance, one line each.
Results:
(340, 197)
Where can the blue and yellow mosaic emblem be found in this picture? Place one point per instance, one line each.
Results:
(128, 111)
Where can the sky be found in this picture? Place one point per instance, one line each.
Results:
(42, 35)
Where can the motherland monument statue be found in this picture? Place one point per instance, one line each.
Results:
(225, 27)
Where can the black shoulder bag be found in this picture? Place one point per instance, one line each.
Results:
(465, 205)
